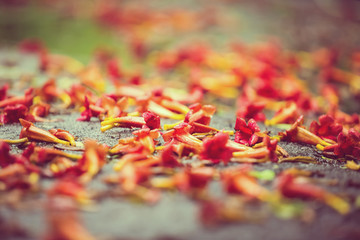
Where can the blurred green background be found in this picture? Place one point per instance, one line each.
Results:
(70, 35)
(68, 27)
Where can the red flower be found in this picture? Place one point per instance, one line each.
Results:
(40, 110)
(271, 145)
(77, 94)
(194, 55)
(196, 94)
(266, 89)
(15, 169)
(152, 120)
(63, 220)
(132, 176)
(215, 149)
(3, 91)
(12, 114)
(31, 46)
(239, 181)
(287, 114)
(145, 137)
(68, 187)
(49, 92)
(246, 133)
(64, 135)
(200, 114)
(181, 133)
(26, 100)
(211, 212)
(154, 104)
(168, 158)
(299, 134)
(303, 100)
(139, 48)
(34, 133)
(113, 70)
(93, 159)
(136, 79)
(288, 187)
(326, 128)
(199, 118)
(252, 110)
(166, 61)
(109, 15)
(193, 179)
(111, 106)
(15, 176)
(25, 159)
(5, 157)
(88, 113)
(347, 144)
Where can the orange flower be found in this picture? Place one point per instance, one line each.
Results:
(62, 134)
(297, 133)
(63, 220)
(239, 181)
(34, 133)
(93, 159)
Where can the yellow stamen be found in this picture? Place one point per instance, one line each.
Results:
(107, 127)
(134, 114)
(54, 168)
(63, 142)
(230, 132)
(71, 156)
(36, 100)
(171, 126)
(16, 141)
(66, 99)
(119, 165)
(337, 203)
(159, 148)
(163, 183)
(177, 116)
(352, 165)
(33, 178)
(276, 137)
(320, 147)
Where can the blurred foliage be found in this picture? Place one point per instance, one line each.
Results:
(63, 35)
(300, 25)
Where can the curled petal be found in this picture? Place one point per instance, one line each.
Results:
(93, 159)
(62, 134)
(285, 115)
(38, 134)
(24, 100)
(299, 134)
(63, 220)
(241, 182)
